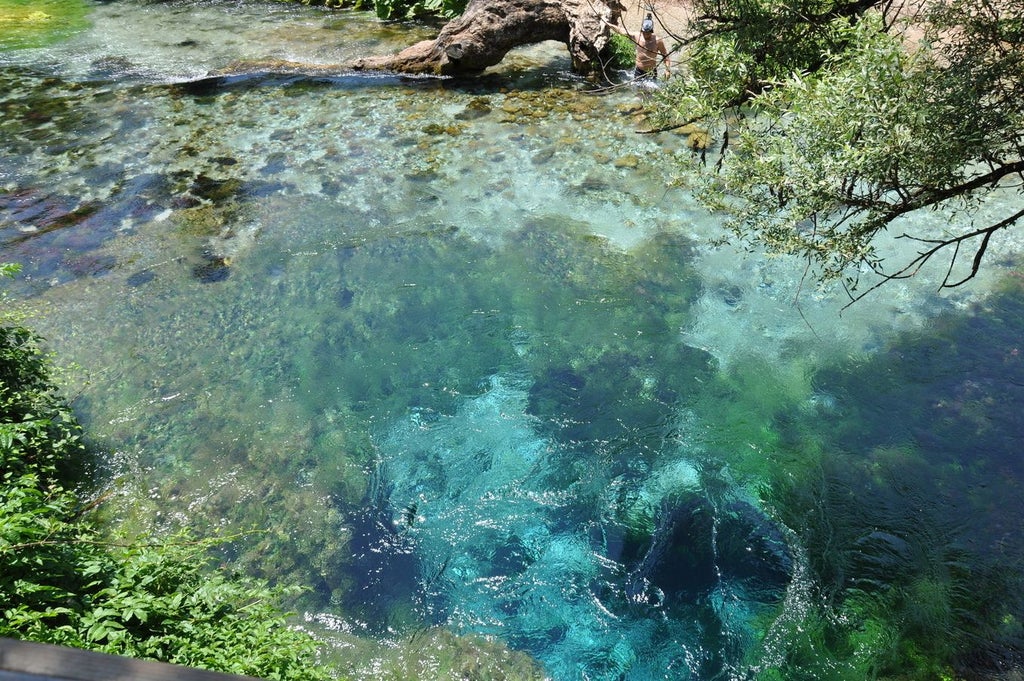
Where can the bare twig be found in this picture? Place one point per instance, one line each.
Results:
(912, 268)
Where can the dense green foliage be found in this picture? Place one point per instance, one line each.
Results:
(412, 9)
(399, 10)
(63, 582)
(620, 52)
(340, 4)
(836, 120)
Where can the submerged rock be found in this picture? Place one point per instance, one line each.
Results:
(214, 268)
(139, 278)
(36, 211)
(215, 190)
(630, 161)
(477, 108)
(698, 547)
(90, 264)
(699, 140)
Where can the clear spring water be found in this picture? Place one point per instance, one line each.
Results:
(464, 357)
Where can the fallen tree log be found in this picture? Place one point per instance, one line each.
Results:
(488, 29)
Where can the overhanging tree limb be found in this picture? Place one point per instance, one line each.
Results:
(855, 128)
(928, 197)
(937, 245)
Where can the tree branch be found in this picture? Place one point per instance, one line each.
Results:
(912, 268)
(928, 197)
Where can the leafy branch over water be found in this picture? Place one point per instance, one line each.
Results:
(839, 119)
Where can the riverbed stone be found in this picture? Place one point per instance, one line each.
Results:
(213, 189)
(212, 269)
(139, 278)
(629, 161)
(699, 140)
(477, 107)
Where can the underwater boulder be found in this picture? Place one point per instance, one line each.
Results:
(698, 546)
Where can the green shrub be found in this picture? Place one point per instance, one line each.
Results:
(399, 10)
(619, 53)
(339, 4)
(418, 9)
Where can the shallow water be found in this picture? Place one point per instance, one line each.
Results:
(465, 359)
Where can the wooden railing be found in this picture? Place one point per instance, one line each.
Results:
(24, 661)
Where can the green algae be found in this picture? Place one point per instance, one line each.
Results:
(433, 653)
(892, 496)
(37, 23)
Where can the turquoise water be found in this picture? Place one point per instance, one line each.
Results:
(462, 354)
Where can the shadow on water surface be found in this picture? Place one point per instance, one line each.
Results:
(911, 518)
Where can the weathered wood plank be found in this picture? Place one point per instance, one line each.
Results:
(24, 661)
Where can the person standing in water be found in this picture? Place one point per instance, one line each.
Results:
(648, 49)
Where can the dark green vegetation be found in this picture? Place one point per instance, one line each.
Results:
(620, 53)
(64, 582)
(399, 10)
(835, 120)
(907, 504)
(406, 9)
(36, 23)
